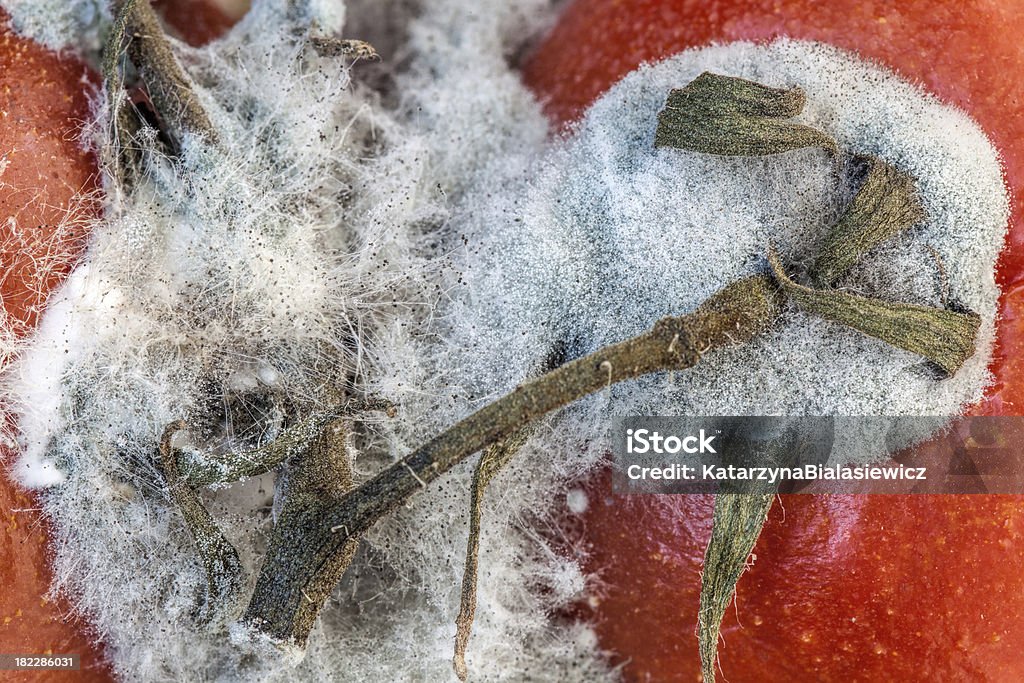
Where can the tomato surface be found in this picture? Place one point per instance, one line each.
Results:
(842, 588)
(44, 169)
(43, 174)
(197, 22)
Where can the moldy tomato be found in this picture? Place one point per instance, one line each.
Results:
(915, 588)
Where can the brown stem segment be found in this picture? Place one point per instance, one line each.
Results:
(124, 126)
(736, 314)
(494, 457)
(318, 483)
(169, 87)
(220, 559)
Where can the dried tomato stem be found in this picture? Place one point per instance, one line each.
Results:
(314, 485)
(199, 469)
(224, 575)
(493, 459)
(736, 314)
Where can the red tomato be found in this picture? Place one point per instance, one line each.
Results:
(42, 102)
(864, 588)
(197, 22)
(43, 169)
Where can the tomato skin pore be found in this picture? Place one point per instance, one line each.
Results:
(43, 102)
(843, 588)
(967, 53)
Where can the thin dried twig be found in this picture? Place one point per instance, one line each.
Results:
(494, 458)
(203, 469)
(224, 575)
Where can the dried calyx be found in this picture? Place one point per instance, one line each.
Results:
(733, 116)
(323, 515)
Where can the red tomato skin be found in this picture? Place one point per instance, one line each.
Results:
(968, 53)
(197, 22)
(43, 101)
(843, 588)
